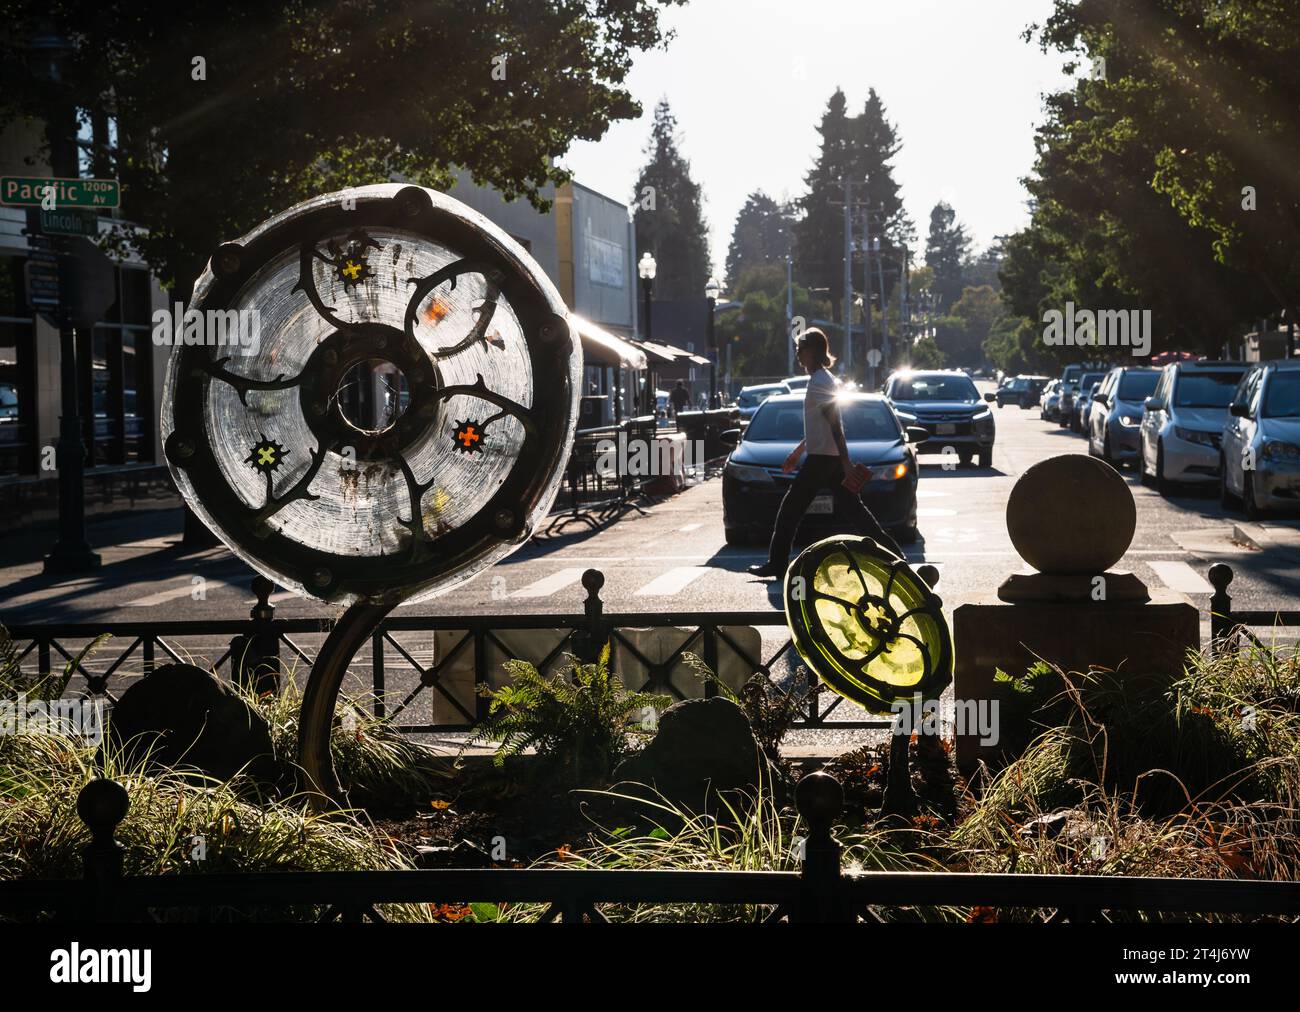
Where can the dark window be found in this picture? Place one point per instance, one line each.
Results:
(17, 372)
(116, 370)
(1138, 386)
(1206, 389)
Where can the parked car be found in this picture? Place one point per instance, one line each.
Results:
(949, 407)
(1049, 405)
(1080, 397)
(753, 483)
(1260, 458)
(796, 383)
(1182, 424)
(1022, 390)
(1115, 420)
(752, 398)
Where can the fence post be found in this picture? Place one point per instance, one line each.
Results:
(102, 804)
(593, 637)
(255, 658)
(819, 798)
(1221, 623)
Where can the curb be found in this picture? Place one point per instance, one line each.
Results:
(1259, 538)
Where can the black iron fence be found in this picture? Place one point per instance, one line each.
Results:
(819, 891)
(1228, 627)
(445, 660)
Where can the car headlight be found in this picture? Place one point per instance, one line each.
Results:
(1194, 436)
(1275, 449)
(906, 416)
(744, 472)
(1130, 421)
(889, 472)
(982, 416)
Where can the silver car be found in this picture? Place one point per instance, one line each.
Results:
(752, 398)
(1261, 442)
(1183, 420)
(1116, 418)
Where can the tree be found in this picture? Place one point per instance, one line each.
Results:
(961, 334)
(946, 248)
(761, 235)
(757, 330)
(669, 221)
(226, 114)
(1140, 182)
(819, 234)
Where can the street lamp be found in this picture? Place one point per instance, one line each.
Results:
(711, 290)
(646, 268)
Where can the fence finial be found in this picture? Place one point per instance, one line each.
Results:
(102, 805)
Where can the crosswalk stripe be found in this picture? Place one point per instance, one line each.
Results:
(688, 528)
(1180, 577)
(176, 593)
(549, 585)
(672, 582)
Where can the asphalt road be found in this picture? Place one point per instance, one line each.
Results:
(675, 557)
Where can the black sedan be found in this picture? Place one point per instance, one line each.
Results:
(753, 482)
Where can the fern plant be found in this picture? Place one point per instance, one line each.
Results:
(581, 722)
(15, 683)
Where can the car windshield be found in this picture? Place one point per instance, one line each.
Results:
(1205, 389)
(1089, 379)
(1138, 386)
(935, 388)
(1283, 397)
(782, 422)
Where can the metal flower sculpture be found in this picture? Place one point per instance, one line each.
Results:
(870, 628)
(394, 296)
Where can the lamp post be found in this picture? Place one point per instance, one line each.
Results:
(646, 268)
(71, 553)
(711, 291)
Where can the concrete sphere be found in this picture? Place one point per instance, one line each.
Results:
(1071, 514)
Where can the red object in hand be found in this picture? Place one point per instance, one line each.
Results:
(861, 475)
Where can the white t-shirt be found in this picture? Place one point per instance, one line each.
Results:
(817, 433)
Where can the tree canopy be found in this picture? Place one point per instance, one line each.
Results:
(669, 220)
(225, 114)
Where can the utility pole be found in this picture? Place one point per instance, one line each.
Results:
(848, 278)
(789, 314)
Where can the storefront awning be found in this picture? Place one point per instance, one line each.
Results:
(600, 347)
(667, 354)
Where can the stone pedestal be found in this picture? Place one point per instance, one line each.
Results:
(1137, 639)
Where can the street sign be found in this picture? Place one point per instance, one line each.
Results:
(70, 222)
(53, 193)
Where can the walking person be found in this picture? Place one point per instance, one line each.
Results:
(827, 467)
(680, 397)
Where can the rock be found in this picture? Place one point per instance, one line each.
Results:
(184, 717)
(703, 747)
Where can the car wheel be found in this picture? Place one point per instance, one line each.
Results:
(1253, 510)
(986, 458)
(1226, 499)
(1163, 485)
(738, 536)
(1105, 452)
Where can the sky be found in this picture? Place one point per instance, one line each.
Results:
(748, 81)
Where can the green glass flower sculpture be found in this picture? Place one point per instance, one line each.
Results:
(870, 628)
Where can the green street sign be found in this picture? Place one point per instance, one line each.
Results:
(54, 193)
(70, 222)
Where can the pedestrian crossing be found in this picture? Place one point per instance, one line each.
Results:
(677, 580)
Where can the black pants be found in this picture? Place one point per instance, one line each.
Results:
(818, 473)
